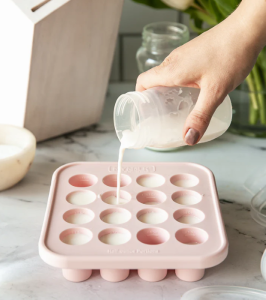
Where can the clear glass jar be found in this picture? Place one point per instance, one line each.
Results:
(158, 41)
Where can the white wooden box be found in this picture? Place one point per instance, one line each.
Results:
(55, 60)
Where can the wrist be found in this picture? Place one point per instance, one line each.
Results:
(251, 20)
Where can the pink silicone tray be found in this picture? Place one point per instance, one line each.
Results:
(152, 249)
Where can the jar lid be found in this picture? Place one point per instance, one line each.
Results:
(224, 293)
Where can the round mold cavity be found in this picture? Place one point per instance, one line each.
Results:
(114, 236)
(78, 216)
(184, 180)
(186, 197)
(151, 180)
(191, 236)
(152, 216)
(115, 216)
(151, 197)
(83, 180)
(153, 236)
(110, 197)
(76, 236)
(189, 216)
(81, 197)
(111, 180)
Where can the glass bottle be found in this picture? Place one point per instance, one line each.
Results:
(156, 117)
(158, 41)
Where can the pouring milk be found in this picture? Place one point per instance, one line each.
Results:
(156, 117)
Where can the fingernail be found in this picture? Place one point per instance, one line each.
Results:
(192, 137)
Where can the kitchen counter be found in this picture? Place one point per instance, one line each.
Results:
(23, 275)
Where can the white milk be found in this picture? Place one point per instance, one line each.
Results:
(8, 150)
(120, 160)
(113, 200)
(168, 136)
(186, 183)
(152, 203)
(170, 133)
(115, 238)
(79, 218)
(116, 218)
(151, 181)
(189, 219)
(153, 217)
(76, 239)
(164, 139)
(81, 198)
(187, 200)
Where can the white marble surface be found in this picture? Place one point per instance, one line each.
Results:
(23, 275)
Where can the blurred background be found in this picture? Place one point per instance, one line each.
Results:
(134, 17)
(65, 57)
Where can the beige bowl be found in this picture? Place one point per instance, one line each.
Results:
(17, 150)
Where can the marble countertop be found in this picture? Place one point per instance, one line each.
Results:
(23, 275)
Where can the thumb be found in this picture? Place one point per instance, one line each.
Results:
(198, 120)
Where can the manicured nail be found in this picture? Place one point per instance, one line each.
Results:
(192, 137)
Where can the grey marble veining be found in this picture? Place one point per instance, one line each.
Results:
(23, 275)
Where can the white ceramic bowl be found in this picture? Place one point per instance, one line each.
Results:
(17, 150)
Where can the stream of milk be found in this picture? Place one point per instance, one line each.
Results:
(120, 160)
(170, 136)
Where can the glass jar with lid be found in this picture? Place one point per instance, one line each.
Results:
(158, 41)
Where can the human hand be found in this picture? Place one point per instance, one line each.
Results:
(216, 62)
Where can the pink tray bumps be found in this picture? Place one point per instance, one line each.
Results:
(75, 234)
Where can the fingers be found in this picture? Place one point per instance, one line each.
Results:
(158, 76)
(154, 77)
(198, 120)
